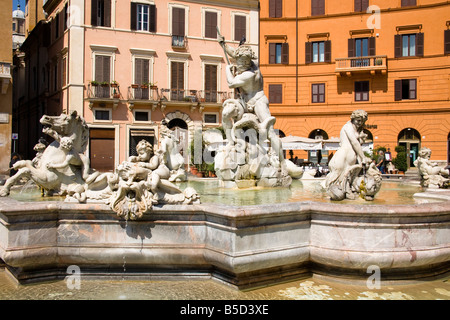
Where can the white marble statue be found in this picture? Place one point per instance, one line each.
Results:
(254, 150)
(352, 174)
(431, 174)
(173, 158)
(62, 168)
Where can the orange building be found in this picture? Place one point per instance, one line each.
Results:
(322, 59)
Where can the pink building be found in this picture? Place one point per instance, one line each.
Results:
(162, 55)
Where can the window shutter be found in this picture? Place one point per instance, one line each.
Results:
(364, 5)
(240, 29)
(107, 13)
(372, 47)
(447, 41)
(358, 5)
(285, 53)
(178, 21)
(278, 8)
(138, 71)
(317, 7)
(94, 9)
(272, 9)
(98, 68)
(351, 48)
(152, 26)
(419, 45)
(210, 25)
(328, 51)
(145, 70)
(106, 68)
(398, 45)
(133, 16)
(272, 53)
(398, 90)
(412, 88)
(308, 52)
(180, 75)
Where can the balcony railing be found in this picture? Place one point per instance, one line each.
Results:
(103, 91)
(355, 64)
(178, 42)
(194, 96)
(139, 92)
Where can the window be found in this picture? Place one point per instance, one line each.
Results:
(317, 7)
(318, 92)
(102, 115)
(101, 13)
(278, 53)
(210, 24)
(143, 17)
(66, 15)
(210, 83)
(405, 89)
(178, 27)
(211, 118)
(141, 115)
(407, 3)
(318, 51)
(275, 8)
(240, 27)
(275, 93)
(361, 5)
(409, 45)
(361, 90)
(447, 42)
(64, 71)
(136, 135)
(177, 81)
(361, 47)
(102, 74)
(141, 76)
(102, 68)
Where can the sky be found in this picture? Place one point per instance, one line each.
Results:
(21, 2)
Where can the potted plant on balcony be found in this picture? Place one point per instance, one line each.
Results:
(144, 85)
(135, 86)
(105, 84)
(378, 61)
(94, 83)
(114, 84)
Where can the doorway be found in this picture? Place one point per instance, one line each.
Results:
(410, 139)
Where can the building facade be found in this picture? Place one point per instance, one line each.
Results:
(6, 53)
(128, 66)
(322, 59)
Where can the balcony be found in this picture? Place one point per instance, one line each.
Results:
(142, 94)
(178, 42)
(195, 96)
(372, 64)
(103, 94)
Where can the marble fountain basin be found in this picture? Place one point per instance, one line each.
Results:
(246, 246)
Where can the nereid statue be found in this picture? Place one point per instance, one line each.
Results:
(352, 174)
(431, 174)
(62, 168)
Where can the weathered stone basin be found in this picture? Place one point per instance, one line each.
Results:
(244, 246)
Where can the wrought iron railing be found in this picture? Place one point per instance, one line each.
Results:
(103, 91)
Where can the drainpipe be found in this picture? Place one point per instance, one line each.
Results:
(296, 51)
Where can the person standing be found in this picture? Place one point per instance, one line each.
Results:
(381, 162)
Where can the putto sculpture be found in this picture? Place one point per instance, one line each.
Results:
(63, 169)
(253, 155)
(432, 175)
(352, 174)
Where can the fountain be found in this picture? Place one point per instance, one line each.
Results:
(137, 224)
